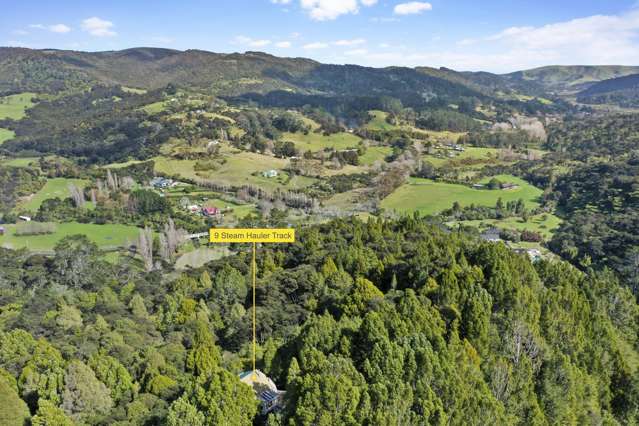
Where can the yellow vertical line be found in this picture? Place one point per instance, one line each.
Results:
(254, 268)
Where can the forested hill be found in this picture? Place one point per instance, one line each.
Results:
(570, 79)
(150, 68)
(623, 91)
(377, 323)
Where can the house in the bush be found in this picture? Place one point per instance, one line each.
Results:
(265, 390)
(270, 173)
(491, 234)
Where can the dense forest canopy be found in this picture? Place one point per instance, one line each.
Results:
(362, 323)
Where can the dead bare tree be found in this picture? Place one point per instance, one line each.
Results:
(77, 195)
(145, 248)
(170, 240)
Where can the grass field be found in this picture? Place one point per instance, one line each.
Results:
(237, 170)
(475, 153)
(133, 90)
(14, 106)
(429, 197)
(317, 141)
(378, 121)
(373, 154)
(19, 162)
(122, 165)
(545, 224)
(5, 135)
(155, 107)
(105, 236)
(54, 188)
(200, 256)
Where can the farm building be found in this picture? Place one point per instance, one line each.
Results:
(161, 183)
(270, 173)
(265, 390)
(25, 218)
(1, 230)
(509, 186)
(210, 211)
(193, 208)
(491, 234)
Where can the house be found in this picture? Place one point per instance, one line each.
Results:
(270, 173)
(193, 208)
(265, 390)
(1, 230)
(161, 183)
(210, 211)
(478, 186)
(25, 218)
(212, 143)
(509, 186)
(491, 234)
(533, 253)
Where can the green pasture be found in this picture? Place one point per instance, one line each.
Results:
(429, 197)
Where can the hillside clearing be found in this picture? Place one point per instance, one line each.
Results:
(429, 197)
(54, 188)
(15, 106)
(317, 141)
(5, 135)
(105, 236)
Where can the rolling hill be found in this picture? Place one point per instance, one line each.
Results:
(621, 91)
(570, 79)
(229, 74)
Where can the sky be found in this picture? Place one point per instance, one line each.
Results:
(490, 35)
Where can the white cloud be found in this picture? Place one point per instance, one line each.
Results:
(384, 19)
(412, 8)
(283, 44)
(59, 28)
(356, 52)
(98, 27)
(593, 40)
(56, 28)
(353, 42)
(248, 41)
(326, 10)
(316, 45)
(384, 45)
(19, 32)
(281, 1)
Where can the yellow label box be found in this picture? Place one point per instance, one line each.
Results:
(251, 235)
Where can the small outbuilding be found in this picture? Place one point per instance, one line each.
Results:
(270, 173)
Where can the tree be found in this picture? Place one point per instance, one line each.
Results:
(75, 262)
(223, 399)
(204, 357)
(13, 410)
(145, 248)
(49, 414)
(113, 374)
(42, 377)
(183, 413)
(84, 396)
